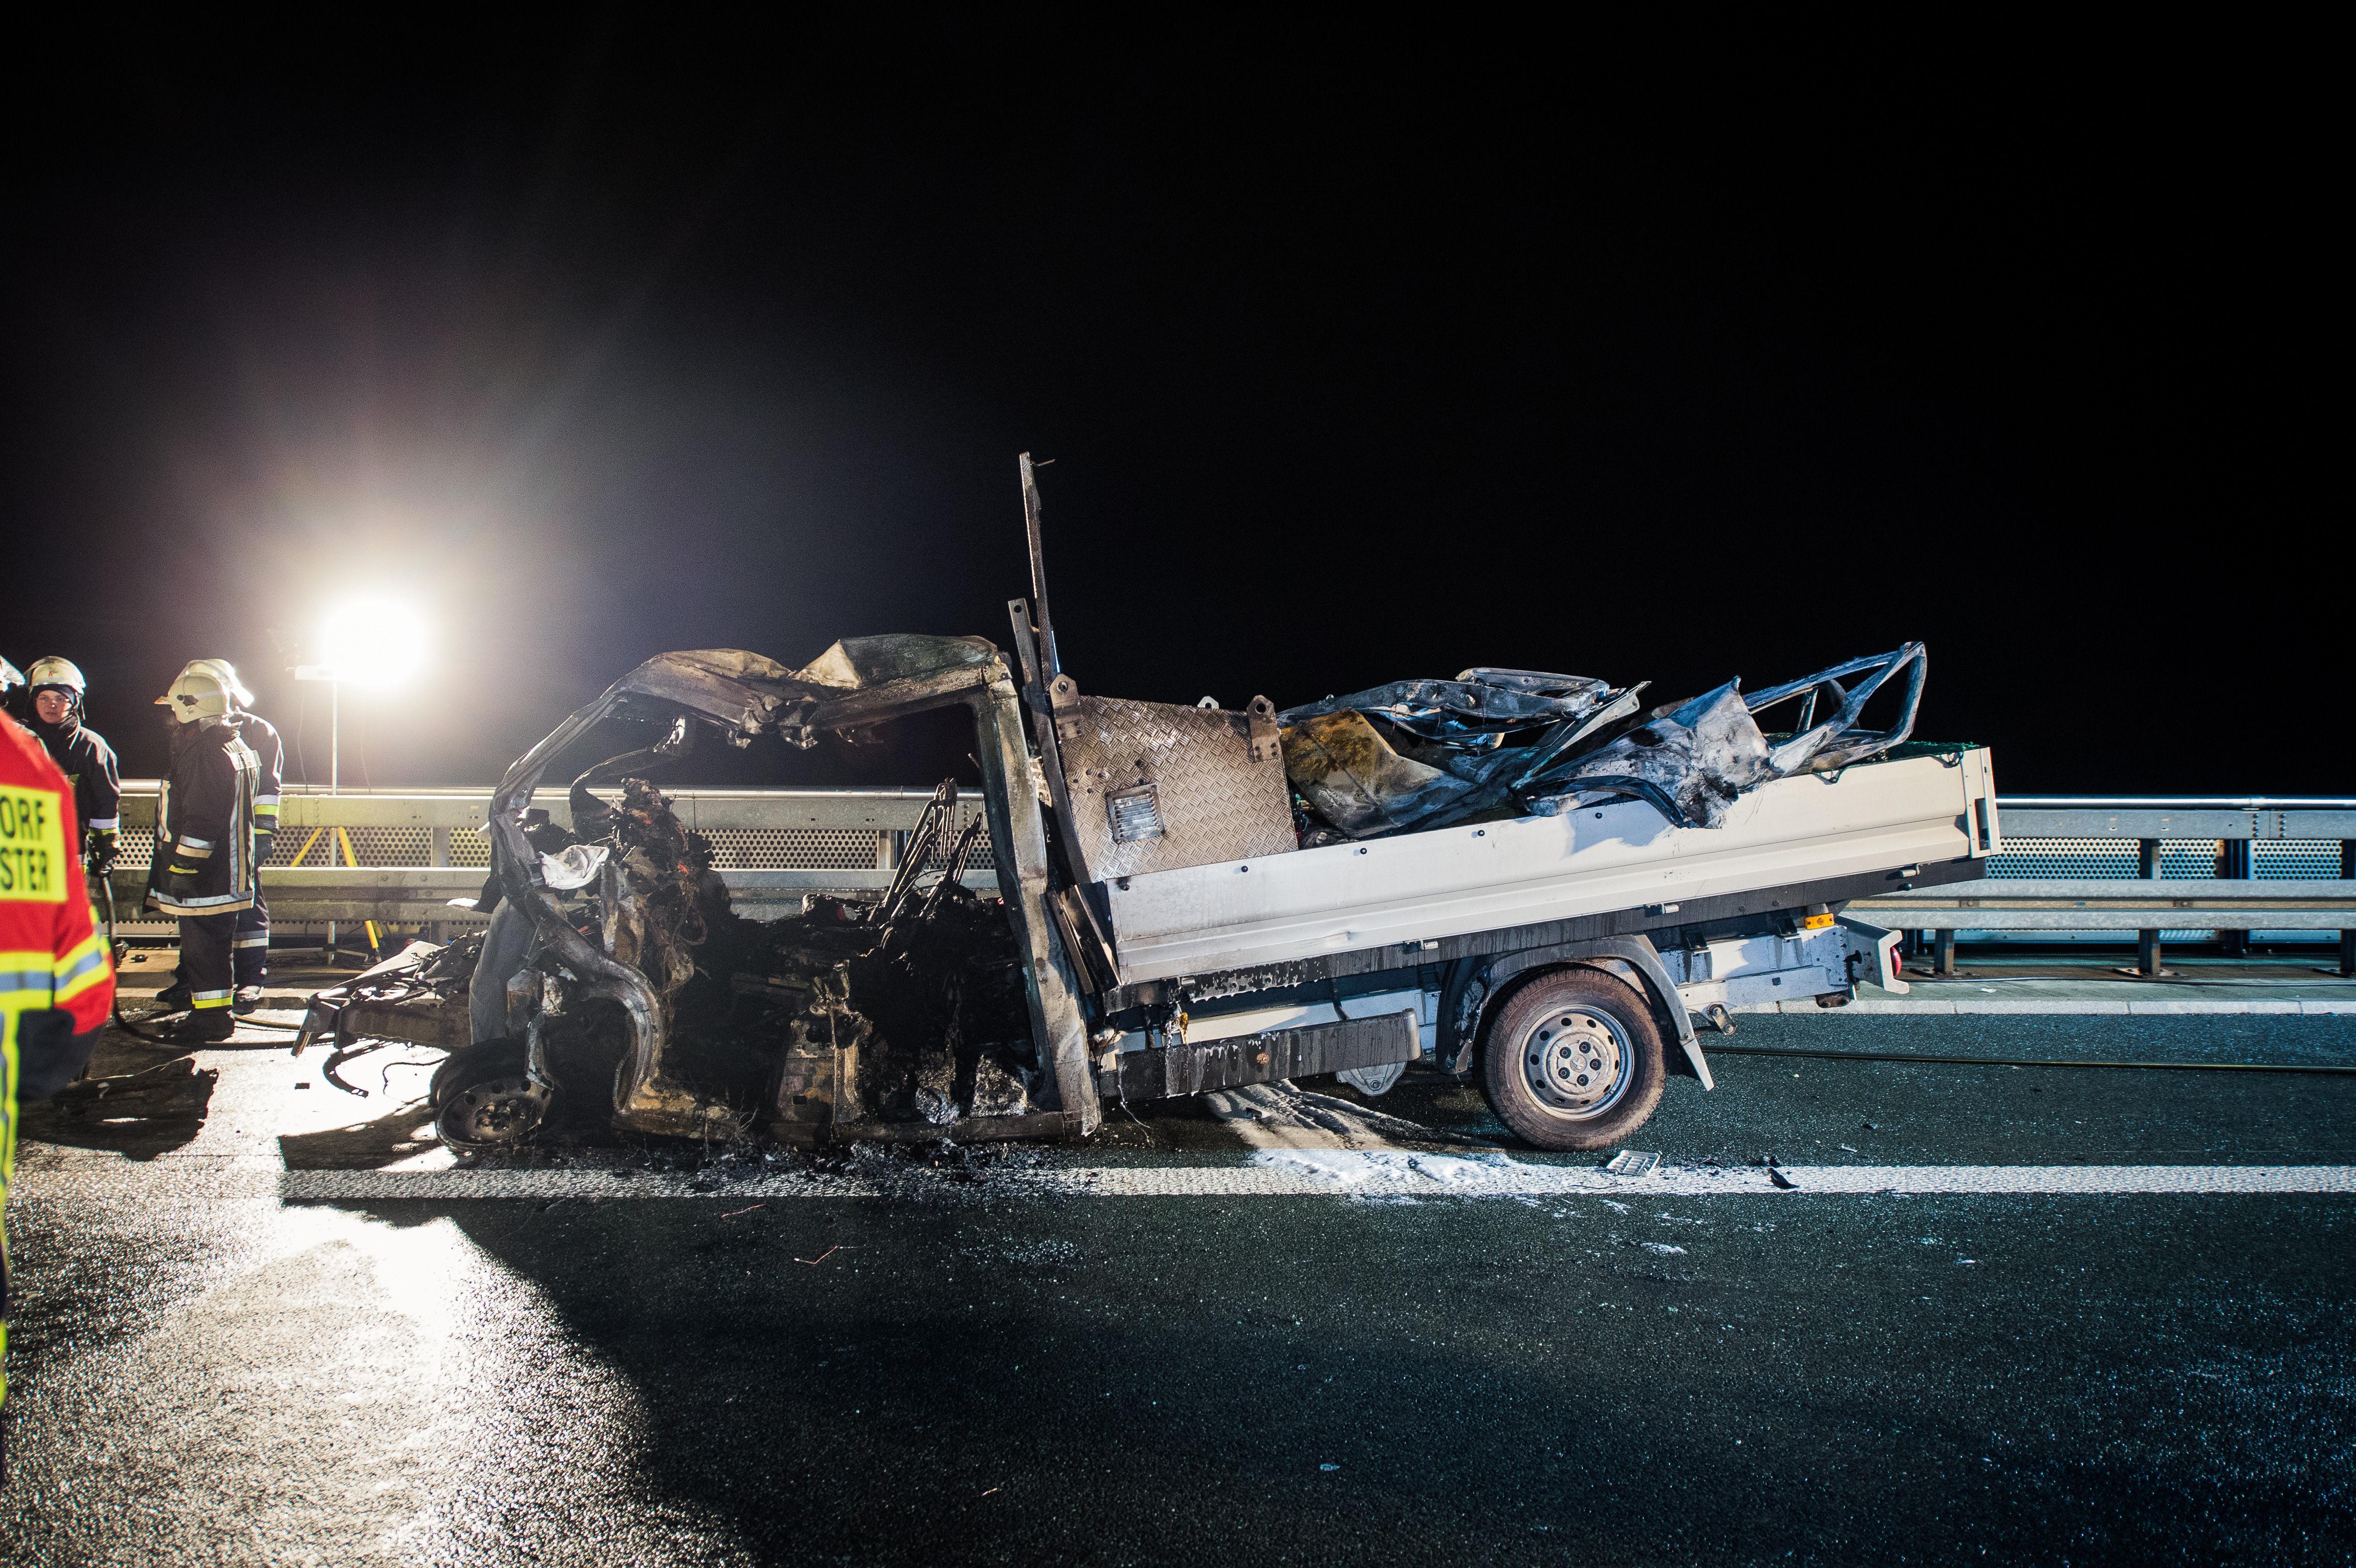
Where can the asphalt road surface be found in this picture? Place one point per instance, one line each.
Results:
(1977, 1326)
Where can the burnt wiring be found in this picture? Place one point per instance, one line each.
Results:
(342, 1054)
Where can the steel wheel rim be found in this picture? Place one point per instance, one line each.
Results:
(1575, 1061)
(502, 1110)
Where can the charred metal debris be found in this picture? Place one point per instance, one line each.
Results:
(1419, 755)
(899, 1017)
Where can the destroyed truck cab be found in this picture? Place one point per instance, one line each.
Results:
(1522, 877)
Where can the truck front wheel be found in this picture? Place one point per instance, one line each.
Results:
(1572, 1061)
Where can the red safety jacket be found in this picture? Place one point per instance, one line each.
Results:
(51, 956)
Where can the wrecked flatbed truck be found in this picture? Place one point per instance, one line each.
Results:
(1192, 897)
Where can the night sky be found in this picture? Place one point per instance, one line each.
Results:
(1361, 355)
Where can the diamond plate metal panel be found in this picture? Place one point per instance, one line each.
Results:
(1219, 797)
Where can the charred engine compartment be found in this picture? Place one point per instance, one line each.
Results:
(896, 1018)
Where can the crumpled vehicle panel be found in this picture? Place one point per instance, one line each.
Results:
(1419, 755)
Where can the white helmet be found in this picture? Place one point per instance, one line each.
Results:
(11, 678)
(55, 671)
(59, 673)
(195, 696)
(224, 672)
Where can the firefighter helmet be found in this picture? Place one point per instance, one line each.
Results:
(54, 674)
(224, 672)
(11, 678)
(195, 696)
(55, 671)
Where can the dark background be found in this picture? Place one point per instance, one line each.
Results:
(1361, 355)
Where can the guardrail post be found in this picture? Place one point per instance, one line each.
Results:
(2148, 961)
(437, 853)
(1943, 962)
(2348, 938)
(2233, 865)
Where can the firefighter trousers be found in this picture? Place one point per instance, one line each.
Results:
(205, 963)
(250, 948)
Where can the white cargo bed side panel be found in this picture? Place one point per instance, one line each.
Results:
(1457, 880)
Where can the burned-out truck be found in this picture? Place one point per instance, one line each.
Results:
(1528, 879)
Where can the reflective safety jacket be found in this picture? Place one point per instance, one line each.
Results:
(52, 960)
(83, 755)
(272, 753)
(204, 822)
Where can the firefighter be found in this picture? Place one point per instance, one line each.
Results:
(203, 869)
(56, 982)
(250, 948)
(56, 692)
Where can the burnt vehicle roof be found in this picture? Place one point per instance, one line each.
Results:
(751, 693)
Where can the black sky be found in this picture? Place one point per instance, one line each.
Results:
(1361, 356)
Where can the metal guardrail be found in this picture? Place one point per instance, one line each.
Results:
(420, 847)
(2233, 902)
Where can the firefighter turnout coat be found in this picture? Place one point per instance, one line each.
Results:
(87, 761)
(261, 737)
(204, 823)
(56, 979)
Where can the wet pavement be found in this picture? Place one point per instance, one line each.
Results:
(1471, 1354)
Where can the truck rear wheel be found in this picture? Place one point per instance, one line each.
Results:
(1573, 1061)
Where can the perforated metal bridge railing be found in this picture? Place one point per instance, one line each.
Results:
(2181, 859)
(777, 846)
(2155, 868)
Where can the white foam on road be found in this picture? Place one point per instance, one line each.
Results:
(1282, 1116)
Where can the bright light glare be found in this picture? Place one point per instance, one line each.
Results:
(373, 642)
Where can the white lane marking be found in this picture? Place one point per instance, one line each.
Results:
(1309, 1172)
(1274, 1173)
(2060, 1007)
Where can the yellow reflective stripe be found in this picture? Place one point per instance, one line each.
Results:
(203, 1000)
(82, 968)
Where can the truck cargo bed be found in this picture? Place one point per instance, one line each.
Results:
(1452, 882)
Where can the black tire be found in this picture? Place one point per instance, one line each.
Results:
(470, 1063)
(1591, 1039)
(485, 1101)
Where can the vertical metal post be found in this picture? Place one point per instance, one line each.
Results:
(2233, 865)
(1944, 964)
(2348, 938)
(335, 767)
(437, 853)
(1048, 657)
(2148, 959)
